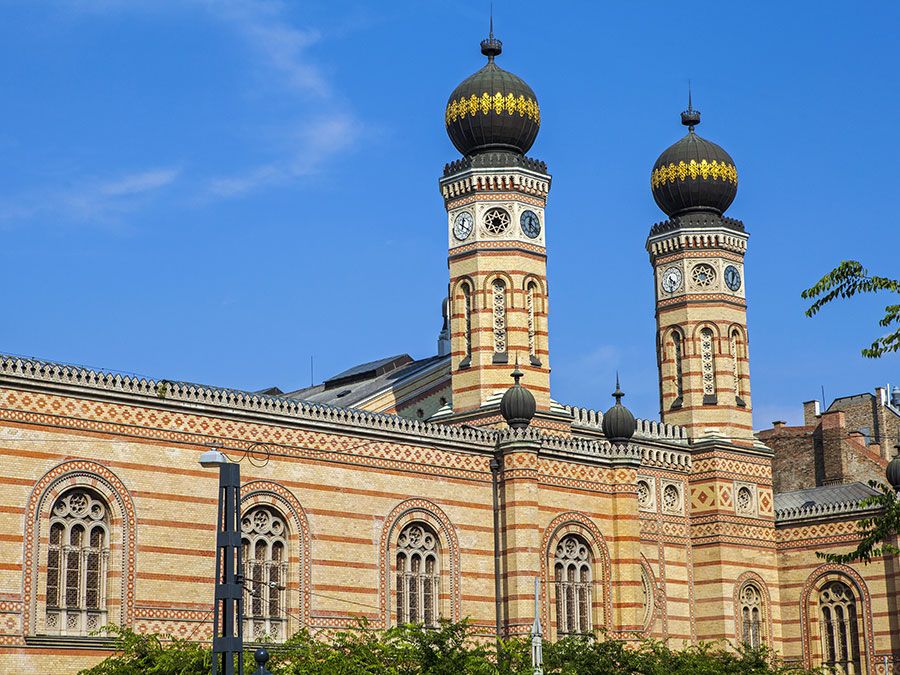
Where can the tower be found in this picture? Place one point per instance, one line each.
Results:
(701, 312)
(495, 198)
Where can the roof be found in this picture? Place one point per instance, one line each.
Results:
(356, 384)
(821, 501)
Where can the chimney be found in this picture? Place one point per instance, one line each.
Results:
(811, 412)
(881, 395)
(831, 434)
(895, 398)
(778, 424)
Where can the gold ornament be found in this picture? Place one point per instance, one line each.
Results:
(497, 103)
(715, 170)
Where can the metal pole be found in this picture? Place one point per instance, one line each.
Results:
(228, 628)
(537, 646)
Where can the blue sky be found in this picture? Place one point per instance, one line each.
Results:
(216, 191)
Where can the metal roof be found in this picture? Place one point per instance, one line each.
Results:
(823, 500)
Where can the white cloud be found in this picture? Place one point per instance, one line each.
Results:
(98, 201)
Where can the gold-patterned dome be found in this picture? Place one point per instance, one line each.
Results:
(492, 110)
(694, 174)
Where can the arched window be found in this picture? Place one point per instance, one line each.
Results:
(677, 351)
(77, 563)
(573, 575)
(499, 304)
(418, 575)
(467, 321)
(707, 363)
(530, 293)
(840, 628)
(264, 553)
(737, 352)
(751, 615)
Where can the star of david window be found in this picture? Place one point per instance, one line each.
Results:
(77, 564)
(496, 221)
(644, 494)
(744, 500)
(703, 276)
(671, 499)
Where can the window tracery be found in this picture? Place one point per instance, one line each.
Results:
(751, 615)
(840, 629)
(646, 596)
(679, 367)
(418, 575)
(467, 314)
(744, 501)
(499, 302)
(703, 275)
(707, 361)
(644, 494)
(572, 565)
(496, 221)
(264, 543)
(77, 564)
(529, 306)
(671, 498)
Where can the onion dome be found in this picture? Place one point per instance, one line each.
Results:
(893, 469)
(517, 405)
(693, 174)
(492, 110)
(618, 422)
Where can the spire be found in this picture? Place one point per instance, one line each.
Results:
(491, 46)
(690, 117)
(618, 393)
(517, 374)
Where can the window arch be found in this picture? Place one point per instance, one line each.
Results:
(751, 613)
(498, 304)
(77, 563)
(573, 576)
(737, 356)
(647, 597)
(708, 364)
(264, 537)
(839, 618)
(418, 584)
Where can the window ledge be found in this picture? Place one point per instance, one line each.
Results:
(70, 641)
(710, 399)
(500, 357)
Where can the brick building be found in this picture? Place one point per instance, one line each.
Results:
(372, 494)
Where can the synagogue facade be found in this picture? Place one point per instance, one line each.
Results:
(410, 490)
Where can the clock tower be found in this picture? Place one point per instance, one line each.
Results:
(495, 198)
(701, 311)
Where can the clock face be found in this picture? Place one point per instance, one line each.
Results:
(462, 226)
(732, 277)
(671, 280)
(531, 225)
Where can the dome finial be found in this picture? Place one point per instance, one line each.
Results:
(618, 393)
(517, 374)
(618, 423)
(491, 46)
(690, 117)
(517, 405)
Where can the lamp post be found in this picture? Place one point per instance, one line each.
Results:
(537, 647)
(228, 622)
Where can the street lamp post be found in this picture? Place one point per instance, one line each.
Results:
(228, 622)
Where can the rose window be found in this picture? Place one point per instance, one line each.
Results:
(643, 493)
(671, 498)
(703, 275)
(496, 221)
(744, 500)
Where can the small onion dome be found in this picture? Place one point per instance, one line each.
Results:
(492, 109)
(618, 422)
(893, 469)
(694, 174)
(517, 405)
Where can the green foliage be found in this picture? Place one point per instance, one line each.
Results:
(450, 649)
(152, 655)
(845, 281)
(877, 531)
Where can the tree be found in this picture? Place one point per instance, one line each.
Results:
(876, 532)
(845, 281)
